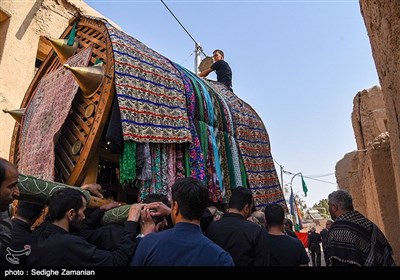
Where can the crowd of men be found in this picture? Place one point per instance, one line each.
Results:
(180, 232)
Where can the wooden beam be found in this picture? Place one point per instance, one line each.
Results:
(43, 49)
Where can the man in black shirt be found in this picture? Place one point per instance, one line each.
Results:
(284, 249)
(314, 241)
(55, 245)
(25, 216)
(243, 240)
(324, 235)
(222, 69)
(288, 228)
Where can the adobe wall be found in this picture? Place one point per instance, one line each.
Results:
(21, 25)
(368, 172)
(382, 20)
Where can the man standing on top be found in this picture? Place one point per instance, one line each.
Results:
(222, 69)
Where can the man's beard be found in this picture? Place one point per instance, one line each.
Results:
(75, 225)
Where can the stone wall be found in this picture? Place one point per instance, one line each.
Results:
(22, 23)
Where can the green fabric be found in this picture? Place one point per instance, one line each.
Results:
(128, 163)
(199, 104)
(305, 189)
(202, 125)
(39, 191)
(156, 169)
(230, 161)
(243, 173)
(218, 98)
(116, 215)
(186, 161)
(203, 139)
(71, 38)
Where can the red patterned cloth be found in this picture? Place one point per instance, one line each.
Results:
(44, 117)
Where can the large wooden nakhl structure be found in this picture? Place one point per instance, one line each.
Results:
(105, 108)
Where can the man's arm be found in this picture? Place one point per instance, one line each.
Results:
(205, 72)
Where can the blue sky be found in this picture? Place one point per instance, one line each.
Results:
(299, 64)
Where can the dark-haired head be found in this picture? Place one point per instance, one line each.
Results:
(241, 199)
(288, 224)
(191, 196)
(156, 197)
(63, 200)
(29, 211)
(8, 183)
(274, 214)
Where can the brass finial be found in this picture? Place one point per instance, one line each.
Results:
(61, 47)
(88, 78)
(16, 114)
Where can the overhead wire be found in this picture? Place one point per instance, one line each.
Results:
(187, 58)
(197, 44)
(309, 176)
(323, 181)
(323, 175)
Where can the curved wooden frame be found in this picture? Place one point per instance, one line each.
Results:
(72, 168)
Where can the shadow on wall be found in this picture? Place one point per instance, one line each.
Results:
(28, 19)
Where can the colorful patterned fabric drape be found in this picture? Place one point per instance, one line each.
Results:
(254, 148)
(214, 135)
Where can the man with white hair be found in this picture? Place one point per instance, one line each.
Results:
(353, 239)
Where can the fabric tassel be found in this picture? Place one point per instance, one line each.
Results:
(71, 38)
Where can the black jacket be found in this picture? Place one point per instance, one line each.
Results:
(56, 247)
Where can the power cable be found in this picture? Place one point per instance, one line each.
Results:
(276, 162)
(187, 58)
(311, 177)
(323, 175)
(320, 180)
(197, 44)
